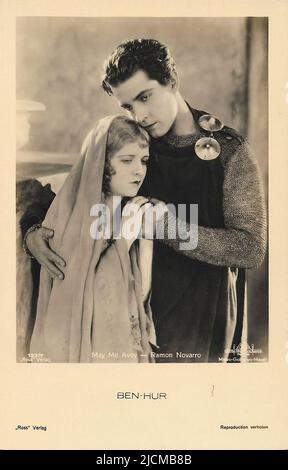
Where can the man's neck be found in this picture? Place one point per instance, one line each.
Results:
(184, 123)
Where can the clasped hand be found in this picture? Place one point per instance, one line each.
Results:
(139, 218)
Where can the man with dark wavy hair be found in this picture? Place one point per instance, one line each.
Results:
(198, 295)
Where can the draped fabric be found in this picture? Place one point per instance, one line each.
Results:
(97, 309)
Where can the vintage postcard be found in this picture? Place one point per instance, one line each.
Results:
(144, 246)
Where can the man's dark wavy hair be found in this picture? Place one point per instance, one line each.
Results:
(138, 54)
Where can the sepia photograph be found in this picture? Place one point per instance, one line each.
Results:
(144, 242)
(142, 117)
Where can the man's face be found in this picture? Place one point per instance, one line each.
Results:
(151, 104)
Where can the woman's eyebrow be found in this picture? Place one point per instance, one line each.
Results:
(126, 155)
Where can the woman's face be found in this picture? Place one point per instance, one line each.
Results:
(130, 166)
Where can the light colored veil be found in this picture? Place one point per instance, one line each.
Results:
(65, 307)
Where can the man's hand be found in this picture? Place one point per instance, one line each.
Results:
(38, 244)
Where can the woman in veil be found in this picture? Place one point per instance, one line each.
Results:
(100, 311)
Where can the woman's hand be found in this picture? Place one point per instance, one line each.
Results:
(151, 217)
(132, 217)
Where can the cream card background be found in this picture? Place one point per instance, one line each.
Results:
(78, 403)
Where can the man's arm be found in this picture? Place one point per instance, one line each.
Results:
(34, 200)
(242, 243)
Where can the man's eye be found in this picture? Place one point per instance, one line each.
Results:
(126, 161)
(145, 161)
(144, 98)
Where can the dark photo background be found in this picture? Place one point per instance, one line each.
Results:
(222, 65)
